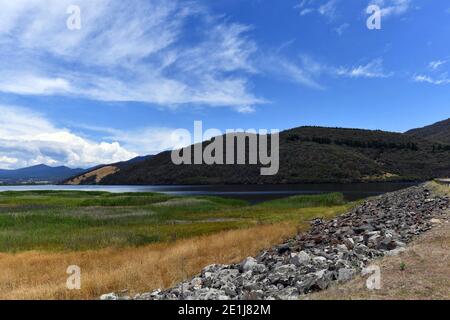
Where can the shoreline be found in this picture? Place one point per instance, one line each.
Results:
(331, 252)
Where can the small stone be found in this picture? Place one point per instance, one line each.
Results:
(387, 244)
(349, 242)
(155, 293)
(248, 264)
(300, 258)
(288, 294)
(323, 279)
(109, 296)
(345, 274)
(283, 248)
(319, 260)
(229, 289)
(395, 252)
(251, 264)
(363, 228)
(197, 283)
(316, 222)
(400, 244)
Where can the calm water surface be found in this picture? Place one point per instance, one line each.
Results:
(252, 193)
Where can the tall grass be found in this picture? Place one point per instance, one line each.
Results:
(135, 241)
(42, 275)
(54, 221)
(305, 201)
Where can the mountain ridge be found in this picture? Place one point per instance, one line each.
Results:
(437, 132)
(308, 154)
(42, 173)
(38, 173)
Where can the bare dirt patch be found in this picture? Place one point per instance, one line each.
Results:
(98, 175)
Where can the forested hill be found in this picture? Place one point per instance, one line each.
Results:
(309, 154)
(438, 132)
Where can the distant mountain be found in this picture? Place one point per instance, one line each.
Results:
(39, 173)
(438, 132)
(307, 154)
(97, 174)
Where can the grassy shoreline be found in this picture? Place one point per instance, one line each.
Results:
(67, 221)
(42, 233)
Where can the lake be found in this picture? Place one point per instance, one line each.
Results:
(251, 193)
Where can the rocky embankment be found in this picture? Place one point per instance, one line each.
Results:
(332, 251)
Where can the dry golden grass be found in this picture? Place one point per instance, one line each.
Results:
(438, 188)
(40, 275)
(99, 174)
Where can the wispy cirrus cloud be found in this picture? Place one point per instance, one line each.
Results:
(342, 28)
(435, 65)
(372, 69)
(308, 72)
(435, 73)
(132, 51)
(302, 71)
(393, 7)
(326, 8)
(305, 7)
(430, 80)
(33, 84)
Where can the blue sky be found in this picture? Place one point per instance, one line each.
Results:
(136, 71)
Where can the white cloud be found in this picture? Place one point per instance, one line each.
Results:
(147, 140)
(303, 72)
(373, 69)
(133, 51)
(29, 84)
(328, 9)
(341, 29)
(7, 162)
(245, 109)
(306, 11)
(436, 75)
(434, 65)
(304, 4)
(393, 7)
(28, 138)
(325, 8)
(307, 72)
(427, 79)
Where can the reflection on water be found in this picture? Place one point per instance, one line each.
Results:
(252, 193)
